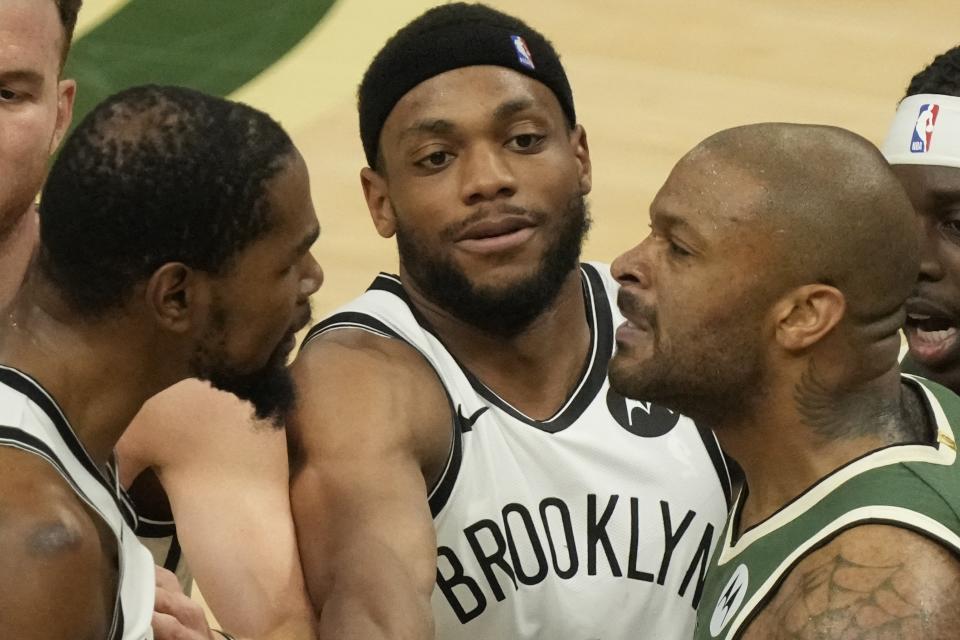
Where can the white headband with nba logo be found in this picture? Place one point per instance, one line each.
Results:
(926, 130)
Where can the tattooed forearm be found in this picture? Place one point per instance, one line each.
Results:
(846, 600)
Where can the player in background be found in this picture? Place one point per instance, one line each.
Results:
(923, 146)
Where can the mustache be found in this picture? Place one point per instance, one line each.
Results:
(920, 294)
(633, 308)
(455, 230)
(305, 318)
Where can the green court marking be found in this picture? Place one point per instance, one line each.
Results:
(215, 46)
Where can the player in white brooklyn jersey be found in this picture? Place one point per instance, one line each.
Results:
(162, 256)
(460, 468)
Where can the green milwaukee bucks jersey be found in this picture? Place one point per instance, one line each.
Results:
(912, 485)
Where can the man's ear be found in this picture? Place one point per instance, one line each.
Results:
(175, 294)
(578, 138)
(66, 94)
(378, 202)
(805, 315)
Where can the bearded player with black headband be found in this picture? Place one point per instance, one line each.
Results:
(459, 464)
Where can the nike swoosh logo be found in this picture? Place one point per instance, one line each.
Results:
(466, 424)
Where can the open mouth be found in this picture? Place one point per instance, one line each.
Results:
(932, 336)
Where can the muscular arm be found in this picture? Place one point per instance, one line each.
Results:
(372, 430)
(55, 581)
(227, 482)
(870, 583)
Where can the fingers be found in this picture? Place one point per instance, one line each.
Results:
(166, 627)
(176, 616)
(167, 580)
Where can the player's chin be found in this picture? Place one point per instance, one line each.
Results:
(624, 374)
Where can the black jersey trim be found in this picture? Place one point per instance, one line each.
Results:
(15, 438)
(123, 498)
(721, 463)
(173, 555)
(775, 587)
(390, 282)
(350, 320)
(439, 493)
(600, 323)
(148, 528)
(443, 487)
(19, 439)
(22, 383)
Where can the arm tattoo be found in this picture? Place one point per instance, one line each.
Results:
(845, 600)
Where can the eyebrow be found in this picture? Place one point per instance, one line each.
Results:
(21, 75)
(672, 221)
(441, 126)
(308, 241)
(512, 107)
(437, 126)
(945, 194)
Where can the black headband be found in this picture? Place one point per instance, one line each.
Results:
(449, 37)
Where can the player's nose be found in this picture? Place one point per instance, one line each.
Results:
(629, 268)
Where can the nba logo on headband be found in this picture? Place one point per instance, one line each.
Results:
(923, 131)
(523, 52)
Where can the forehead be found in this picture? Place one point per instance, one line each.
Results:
(929, 184)
(709, 194)
(462, 94)
(30, 35)
(288, 195)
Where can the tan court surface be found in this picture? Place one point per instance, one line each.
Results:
(651, 78)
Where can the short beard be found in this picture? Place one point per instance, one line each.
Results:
(506, 311)
(711, 380)
(269, 389)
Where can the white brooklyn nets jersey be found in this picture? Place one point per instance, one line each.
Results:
(594, 524)
(31, 421)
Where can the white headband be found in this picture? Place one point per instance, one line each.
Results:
(926, 130)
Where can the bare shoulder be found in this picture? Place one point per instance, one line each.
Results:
(872, 582)
(355, 388)
(191, 422)
(55, 578)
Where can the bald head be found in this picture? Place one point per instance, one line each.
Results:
(829, 206)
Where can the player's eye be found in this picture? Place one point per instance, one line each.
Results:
(951, 226)
(435, 160)
(525, 141)
(7, 95)
(678, 250)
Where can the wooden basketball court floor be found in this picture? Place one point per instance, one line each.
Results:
(651, 78)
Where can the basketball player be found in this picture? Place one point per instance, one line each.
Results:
(460, 468)
(766, 303)
(184, 452)
(161, 257)
(924, 148)
(35, 109)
